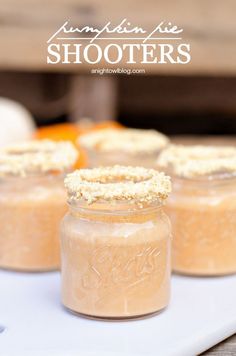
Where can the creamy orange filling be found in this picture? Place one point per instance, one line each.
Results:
(204, 230)
(116, 267)
(30, 213)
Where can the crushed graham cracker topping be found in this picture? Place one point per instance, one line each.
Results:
(196, 161)
(125, 140)
(39, 156)
(118, 183)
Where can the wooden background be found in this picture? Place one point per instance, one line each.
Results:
(209, 26)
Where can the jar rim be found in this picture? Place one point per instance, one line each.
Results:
(126, 140)
(37, 157)
(118, 183)
(198, 161)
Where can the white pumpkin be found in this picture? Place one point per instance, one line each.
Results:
(16, 123)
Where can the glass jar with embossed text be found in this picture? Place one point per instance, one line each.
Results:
(115, 243)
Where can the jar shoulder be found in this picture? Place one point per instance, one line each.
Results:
(157, 227)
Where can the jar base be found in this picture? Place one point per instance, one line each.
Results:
(25, 270)
(202, 275)
(114, 319)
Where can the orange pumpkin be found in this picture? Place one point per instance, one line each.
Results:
(68, 132)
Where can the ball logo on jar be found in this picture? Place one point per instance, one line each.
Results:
(109, 267)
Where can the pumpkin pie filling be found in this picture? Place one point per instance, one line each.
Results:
(202, 208)
(32, 203)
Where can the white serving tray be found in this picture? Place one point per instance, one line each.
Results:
(202, 313)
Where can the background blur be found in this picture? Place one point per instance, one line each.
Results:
(198, 98)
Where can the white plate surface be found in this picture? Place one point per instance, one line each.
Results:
(202, 313)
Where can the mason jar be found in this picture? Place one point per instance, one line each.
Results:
(127, 147)
(32, 204)
(202, 209)
(116, 243)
